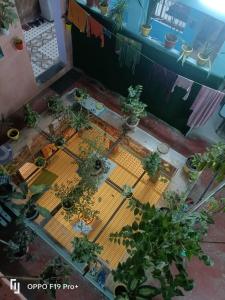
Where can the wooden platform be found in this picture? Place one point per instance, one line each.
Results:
(114, 214)
(65, 167)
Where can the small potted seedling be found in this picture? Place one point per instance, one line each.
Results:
(80, 95)
(13, 134)
(40, 162)
(18, 42)
(55, 105)
(104, 7)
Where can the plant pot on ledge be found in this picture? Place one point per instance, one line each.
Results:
(131, 124)
(146, 30)
(13, 134)
(202, 60)
(170, 40)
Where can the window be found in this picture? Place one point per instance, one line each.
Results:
(173, 14)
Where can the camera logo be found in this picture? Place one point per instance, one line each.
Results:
(14, 286)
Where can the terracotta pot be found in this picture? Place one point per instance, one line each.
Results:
(19, 45)
(13, 134)
(202, 61)
(104, 9)
(145, 30)
(170, 40)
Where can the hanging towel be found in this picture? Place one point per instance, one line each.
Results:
(185, 84)
(129, 52)
(77, 15)
(204, 106)
(96, 29)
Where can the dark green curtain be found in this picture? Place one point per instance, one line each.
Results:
(103, 65)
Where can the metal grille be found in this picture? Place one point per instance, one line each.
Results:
(161, 13)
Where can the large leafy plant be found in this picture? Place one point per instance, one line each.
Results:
(8, 15)
(17, 246)
(55, 105)
(152, 164)
(85, 251)
(31, 195)
(56, 272)
(213, 158)
(132, 106)
(156, 241)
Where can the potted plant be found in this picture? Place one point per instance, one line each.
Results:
(186, 51)
(127, 191)
(170, 40)
(68, 25)
(152, 164)
(18, 42)
(13, 134)
(203, 58)
(133, 107)
(31, 116)
(40, 162)
(18, 247)
(56, 272)
(190, 168)
(157, 243)
(59, 141)
(8, 15)
(78, 120)
(80, 95)
(30, 210)
(104, 7)
(55, 105)
(85, 251)
(147, 27)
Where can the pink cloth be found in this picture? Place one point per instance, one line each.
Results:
(204, 106)
(183, 83)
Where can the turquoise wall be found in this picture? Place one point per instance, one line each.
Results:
(135, 16)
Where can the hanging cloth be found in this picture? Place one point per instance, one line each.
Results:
(129, 52)
(204, 106)
(77, 15)
(96, 29)
(164, 77)
(185, 84)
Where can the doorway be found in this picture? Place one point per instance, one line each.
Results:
(40, 36)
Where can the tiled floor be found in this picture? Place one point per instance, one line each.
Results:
(42, 45)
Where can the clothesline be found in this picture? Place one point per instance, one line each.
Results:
(138, 51)
(207, 99)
